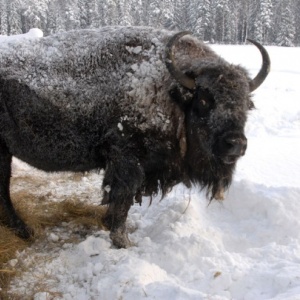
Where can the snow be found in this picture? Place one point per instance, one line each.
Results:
(32, 33)
(245, 247)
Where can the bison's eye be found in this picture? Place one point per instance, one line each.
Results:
(203, 103)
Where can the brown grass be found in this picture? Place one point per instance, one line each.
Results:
(40, 214)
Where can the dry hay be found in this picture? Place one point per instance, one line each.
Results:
(41, 214)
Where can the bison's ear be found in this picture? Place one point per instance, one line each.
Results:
(181, 96)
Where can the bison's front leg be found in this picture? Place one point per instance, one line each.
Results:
(123, 178)
(8, 214)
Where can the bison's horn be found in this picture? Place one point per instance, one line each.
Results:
(265, 68)
(174, 71)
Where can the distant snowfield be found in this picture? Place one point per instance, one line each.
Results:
(246, 247)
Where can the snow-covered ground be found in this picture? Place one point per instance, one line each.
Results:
(246, 247)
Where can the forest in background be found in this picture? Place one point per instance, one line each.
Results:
(272, 22)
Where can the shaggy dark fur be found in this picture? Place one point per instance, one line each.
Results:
(104, 99)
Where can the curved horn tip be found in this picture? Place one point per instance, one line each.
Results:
(265, 68)
(170, 64)
(174, 38)
(179, 34)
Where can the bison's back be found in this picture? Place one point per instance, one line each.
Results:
(84, 66)
(76, 62)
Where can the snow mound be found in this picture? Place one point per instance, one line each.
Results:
(32, 33)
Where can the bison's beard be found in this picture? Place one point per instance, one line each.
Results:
(211, 173)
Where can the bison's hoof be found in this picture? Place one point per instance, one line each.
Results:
(25, 233)
(120, 239)
(22, 230)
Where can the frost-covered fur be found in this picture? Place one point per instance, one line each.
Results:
(92, 99)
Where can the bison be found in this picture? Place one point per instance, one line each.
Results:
(152, 107)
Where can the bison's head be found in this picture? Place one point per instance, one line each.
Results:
(215, 107)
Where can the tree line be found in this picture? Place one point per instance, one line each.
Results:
(272, 22)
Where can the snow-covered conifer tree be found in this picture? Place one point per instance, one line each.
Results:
(222, 16)
(3, 17)
(14, 25)
(263, 21)
(286, 20)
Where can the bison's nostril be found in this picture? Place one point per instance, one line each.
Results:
(230, 142)
(235, 146)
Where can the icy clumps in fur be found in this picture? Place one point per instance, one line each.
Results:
(83, 70)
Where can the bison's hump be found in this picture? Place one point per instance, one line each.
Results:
(70, 62)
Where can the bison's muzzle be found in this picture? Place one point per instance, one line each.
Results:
(230, 147)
